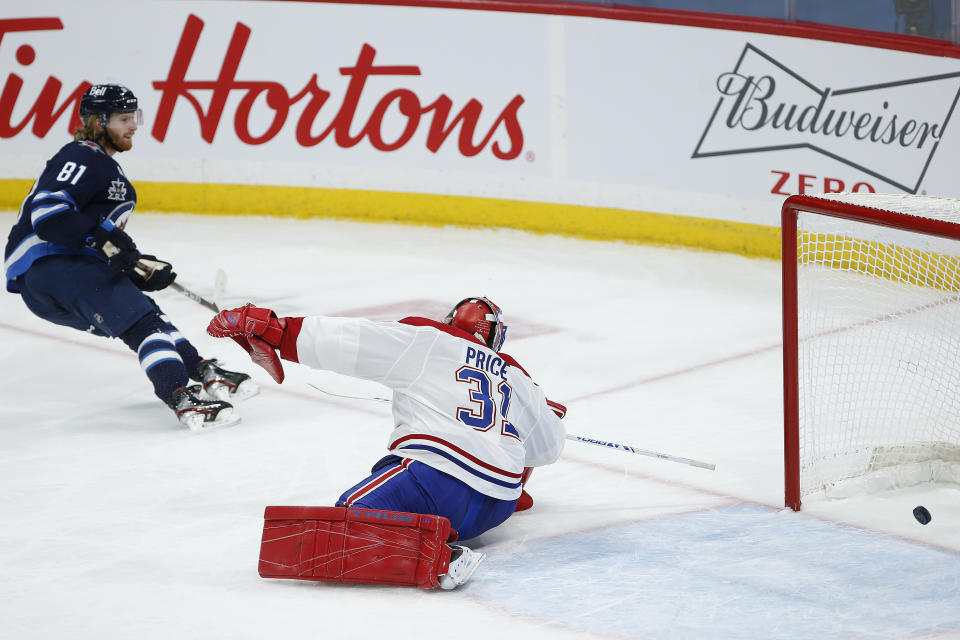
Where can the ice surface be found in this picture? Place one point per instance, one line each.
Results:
(118, 522)
(730, 573)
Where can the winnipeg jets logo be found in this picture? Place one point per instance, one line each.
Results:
(117, 191)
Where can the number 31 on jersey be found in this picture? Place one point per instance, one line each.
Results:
(482, 414)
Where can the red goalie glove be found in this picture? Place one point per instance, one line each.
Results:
(248, 320)
(263, 354)
(257, 330)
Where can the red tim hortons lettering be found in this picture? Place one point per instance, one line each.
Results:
(280, 100)
(44, 111)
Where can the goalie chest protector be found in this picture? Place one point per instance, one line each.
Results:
(347, 544)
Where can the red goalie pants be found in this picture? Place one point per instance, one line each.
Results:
(348, 544)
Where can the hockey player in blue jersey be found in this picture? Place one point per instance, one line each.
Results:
(72, 262)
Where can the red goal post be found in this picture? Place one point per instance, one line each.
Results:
(871, 342)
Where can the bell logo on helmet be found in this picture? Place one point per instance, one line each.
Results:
(103, 99)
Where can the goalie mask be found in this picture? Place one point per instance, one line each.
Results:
(480, 318)
(103, 99)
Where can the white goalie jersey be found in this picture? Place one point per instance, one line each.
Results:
(458, 406)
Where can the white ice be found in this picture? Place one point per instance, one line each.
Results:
(119, 523)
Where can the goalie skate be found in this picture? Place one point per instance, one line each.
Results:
(199, 414)
(220, 384)
(463, 562)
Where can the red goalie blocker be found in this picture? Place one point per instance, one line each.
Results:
(346, 544)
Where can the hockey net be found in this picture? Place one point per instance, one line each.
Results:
(871, 318)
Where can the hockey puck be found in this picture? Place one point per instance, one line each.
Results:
(921, 514)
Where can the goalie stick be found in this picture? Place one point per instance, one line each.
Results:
(642, 452)
(570, 436)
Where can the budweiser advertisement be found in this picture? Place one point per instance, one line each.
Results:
(530, 106)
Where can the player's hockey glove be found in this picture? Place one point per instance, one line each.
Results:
(117, 247)
(151, 274)
(259, 331)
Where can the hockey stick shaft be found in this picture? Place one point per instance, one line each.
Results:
(176, 286)
(642, 452)
(110, 250)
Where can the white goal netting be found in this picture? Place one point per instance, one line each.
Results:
(878, 349)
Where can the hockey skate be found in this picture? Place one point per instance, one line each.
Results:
(220, 384)
(200, 414)
(463, 562)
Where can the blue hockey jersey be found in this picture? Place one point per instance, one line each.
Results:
(80, 188)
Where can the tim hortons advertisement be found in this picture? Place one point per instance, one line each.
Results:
(574, 110)
(232, 84)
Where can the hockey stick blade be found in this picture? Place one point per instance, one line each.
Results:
(219, 286)
(642, 452)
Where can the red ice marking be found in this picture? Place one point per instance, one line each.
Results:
(396, 310)
(102, 348)
(678, 372)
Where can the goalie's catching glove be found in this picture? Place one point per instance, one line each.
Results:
(248, 320)
(151, 274)
(259, 331)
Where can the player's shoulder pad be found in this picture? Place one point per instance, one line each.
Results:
(86, 146)
(512, 362)
(83, 152)
(417, 321)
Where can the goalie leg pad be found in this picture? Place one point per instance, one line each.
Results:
(349, 544)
